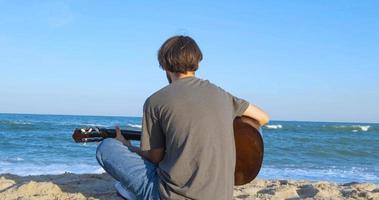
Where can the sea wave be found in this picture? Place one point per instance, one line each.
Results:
(354, 128)
(327, 127)
(274, 126)
(135, 125)
(12, 159)
(38, 169)
(20, 125)
(16, 122)
(353, 174)
(93, 125)
(333, 174)
(363, 128)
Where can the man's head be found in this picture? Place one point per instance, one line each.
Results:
(179, 54)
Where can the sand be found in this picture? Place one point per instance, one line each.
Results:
(100, 186)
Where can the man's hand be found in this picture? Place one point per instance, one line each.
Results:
(154, 155)
(121, 138)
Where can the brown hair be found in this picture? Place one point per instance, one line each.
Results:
(179, 54)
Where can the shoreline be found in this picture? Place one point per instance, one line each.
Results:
(100, 186)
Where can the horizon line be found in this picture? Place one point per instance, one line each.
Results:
(90, 115)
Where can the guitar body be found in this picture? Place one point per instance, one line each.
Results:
(249, 150)
(248, 141)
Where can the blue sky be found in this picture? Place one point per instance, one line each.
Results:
(299, 60)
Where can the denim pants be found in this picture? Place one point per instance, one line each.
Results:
(136, 174)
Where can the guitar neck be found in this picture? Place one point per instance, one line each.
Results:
(128, 134)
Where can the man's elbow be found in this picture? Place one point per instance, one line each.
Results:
(155, 155)
(155, 160)
(264, 120)
(258, 114)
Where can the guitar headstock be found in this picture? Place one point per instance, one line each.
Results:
(92, 134)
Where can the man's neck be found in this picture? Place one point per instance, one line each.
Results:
(177, 76)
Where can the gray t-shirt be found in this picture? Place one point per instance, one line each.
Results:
(192, 119)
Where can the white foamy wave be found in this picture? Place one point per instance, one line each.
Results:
(10, 160)
(35, 169)
(22, 122)
(135, 125)
(274, 126)
(328, 174)
(354, 128)
(363, 128)
(93, 125)
(4, 163)
(99, 171)
(17, 122)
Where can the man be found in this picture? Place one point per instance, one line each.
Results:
(187, 146)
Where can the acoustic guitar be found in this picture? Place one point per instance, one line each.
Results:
(248, 140)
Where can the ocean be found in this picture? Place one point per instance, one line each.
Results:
(339, 152)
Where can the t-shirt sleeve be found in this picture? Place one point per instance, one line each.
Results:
(239, 106)
(152, 136)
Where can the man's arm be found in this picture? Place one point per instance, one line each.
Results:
(257, 114)
(153, 155)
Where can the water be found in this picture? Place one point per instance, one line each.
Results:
(340, 152)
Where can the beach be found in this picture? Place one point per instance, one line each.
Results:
(100, 186)
(174, 77)
(40, 160)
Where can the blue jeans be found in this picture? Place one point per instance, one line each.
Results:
(136, 174)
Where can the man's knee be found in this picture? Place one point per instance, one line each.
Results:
(102, 148)
(106, 144)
